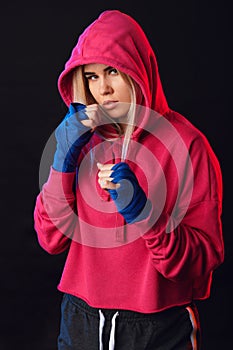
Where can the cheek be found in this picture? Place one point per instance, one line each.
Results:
(123, 92)
(126, 96)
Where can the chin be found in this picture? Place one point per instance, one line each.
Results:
(118, 114)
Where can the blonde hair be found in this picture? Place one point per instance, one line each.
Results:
(81, 94)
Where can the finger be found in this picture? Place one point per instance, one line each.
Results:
(111, 186)
(92, 113)
(105, 173)
(92, 106)
(89, 123)
(104, 167)
(108, 185)
(103, 181)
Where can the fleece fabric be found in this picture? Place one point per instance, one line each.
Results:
(168, 258)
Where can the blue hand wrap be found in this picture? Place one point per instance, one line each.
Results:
(130, 199)
(71, 136)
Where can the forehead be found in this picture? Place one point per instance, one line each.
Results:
(94, 67)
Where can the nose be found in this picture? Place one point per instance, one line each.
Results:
(105, 87)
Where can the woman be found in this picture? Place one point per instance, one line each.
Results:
(134, 194)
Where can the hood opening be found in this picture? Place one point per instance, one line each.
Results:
(115, 39)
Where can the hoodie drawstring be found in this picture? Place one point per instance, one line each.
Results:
(112, 332)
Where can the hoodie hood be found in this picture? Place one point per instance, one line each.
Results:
(117, 40)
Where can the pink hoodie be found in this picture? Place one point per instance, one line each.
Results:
(167, 259)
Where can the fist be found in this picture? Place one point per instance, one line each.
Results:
(104, 177)
(95, 116)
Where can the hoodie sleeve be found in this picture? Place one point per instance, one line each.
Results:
(54, 214)
(192, 246)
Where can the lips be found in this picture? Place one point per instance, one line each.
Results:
(110, 104)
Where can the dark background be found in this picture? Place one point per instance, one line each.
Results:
(193, 44)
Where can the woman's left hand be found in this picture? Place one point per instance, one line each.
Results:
(124, 188)
(105, 177)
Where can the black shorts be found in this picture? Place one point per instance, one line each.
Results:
(86, 328)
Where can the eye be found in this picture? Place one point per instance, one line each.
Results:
(92, 77)
(113, 71)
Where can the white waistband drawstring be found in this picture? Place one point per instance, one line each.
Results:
(101, 327)
(112, 332)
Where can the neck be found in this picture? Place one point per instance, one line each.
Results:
(123, 127)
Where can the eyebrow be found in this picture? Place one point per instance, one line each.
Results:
(105, 70)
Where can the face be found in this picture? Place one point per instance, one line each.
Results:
(109, 89)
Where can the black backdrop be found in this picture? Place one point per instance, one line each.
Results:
(192, 41)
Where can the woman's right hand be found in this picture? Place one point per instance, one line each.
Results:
(95, 116)
(71, 135)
